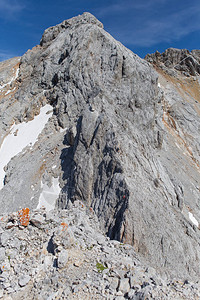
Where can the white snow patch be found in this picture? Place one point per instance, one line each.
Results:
(4, 85)
(9, 91)
(21, 136)
(54, 167)
(32, 187)
(63, 129)
(49, 195)
(16, 74)
(177, 145)
(192, 218)
(159, 84)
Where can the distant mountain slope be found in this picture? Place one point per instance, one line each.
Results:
(120, 135)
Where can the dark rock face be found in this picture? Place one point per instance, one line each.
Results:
(112, 138)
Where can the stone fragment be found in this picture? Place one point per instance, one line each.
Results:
(54, 279)
(63, 236)
(77, 264)
(119, 272)
(63, 258)
(24, 280)
(37, 220)
(17, 268)
(119, 293)
(131, 294)
(51, 216)
(133, 281)
(10, 225)
(2, 254)
(6, 285)
(124, 285)
(113, 283)
(48, 261)
(4, 238)
(136, 287)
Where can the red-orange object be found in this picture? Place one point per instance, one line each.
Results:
(64, 225)
(24, 216)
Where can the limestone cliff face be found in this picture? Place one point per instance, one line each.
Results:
(119, 136)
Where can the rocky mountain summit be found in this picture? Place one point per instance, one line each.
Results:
(82, 118)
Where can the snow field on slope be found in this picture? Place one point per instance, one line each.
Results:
(21, 136)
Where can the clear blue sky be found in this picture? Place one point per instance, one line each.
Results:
(144, 26)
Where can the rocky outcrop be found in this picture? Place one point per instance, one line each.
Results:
(180, 59)
(64, 255)
(114, 139)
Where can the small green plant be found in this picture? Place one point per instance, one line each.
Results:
(100, 267)
(9, 258)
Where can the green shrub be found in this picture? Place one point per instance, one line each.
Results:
(100, 267)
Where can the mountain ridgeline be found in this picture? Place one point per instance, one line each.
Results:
(117, 132)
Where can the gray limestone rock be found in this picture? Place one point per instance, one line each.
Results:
(63, 236)
(37, 220)
(124, 285)
(2, 254)
(121, 138)
(48, 261)
(23, 280)
(4, 238)
(62, 258)
(180, 59)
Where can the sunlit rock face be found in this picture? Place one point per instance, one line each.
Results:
(120, 134)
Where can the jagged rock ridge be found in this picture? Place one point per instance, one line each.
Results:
(180, 59)
(119, 140)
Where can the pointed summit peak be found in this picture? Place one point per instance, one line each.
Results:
(89, 18)
(52, 32)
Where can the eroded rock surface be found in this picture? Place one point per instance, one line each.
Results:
(188, 63)
(121, 137)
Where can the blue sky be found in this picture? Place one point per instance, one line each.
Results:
(144, 26)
